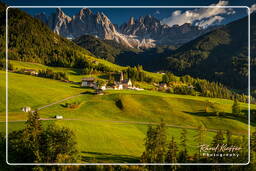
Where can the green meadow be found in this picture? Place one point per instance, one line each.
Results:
(112, 127)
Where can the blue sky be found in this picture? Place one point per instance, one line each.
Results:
(118, 16)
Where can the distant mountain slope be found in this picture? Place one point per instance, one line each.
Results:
(105, 49)
(153, 59)
(221, 55)
(121, 55)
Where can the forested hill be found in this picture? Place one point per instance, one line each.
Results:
(105, 49)
(121, 55)
(221, 55)
(31, 40)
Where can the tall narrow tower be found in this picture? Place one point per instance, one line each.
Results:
(121, 76)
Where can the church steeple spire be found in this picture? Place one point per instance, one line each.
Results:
(121, 76)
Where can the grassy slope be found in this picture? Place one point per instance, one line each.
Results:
(109, 141)
(24, 90)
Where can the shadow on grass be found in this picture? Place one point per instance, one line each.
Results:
(105, 76)
(75, 71)
(241, 118)
(89, 92)
(108, 158)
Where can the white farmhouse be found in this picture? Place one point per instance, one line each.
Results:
(59, 117)
(88, 82)
(26, 109)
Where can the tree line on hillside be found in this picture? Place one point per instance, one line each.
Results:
(48, 73)
(220, 55)
(98, 47)
(3, 65)
(205, 88)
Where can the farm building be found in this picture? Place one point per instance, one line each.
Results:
(26, 109)
(88, 82)
(103, 87)
(59, 117)
(163, 85)
(30, 71)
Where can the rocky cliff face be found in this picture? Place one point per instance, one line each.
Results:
(145, 32)
(88, 23)
(150, 27)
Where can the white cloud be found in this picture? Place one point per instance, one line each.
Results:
(253, 8)
(210, 21)
(203, 16)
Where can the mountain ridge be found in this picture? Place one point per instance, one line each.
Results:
(145, 32)
(220, 55)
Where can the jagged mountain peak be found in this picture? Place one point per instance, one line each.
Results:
(131, 21)
(143, 32)
(85, 11)
(60, 14)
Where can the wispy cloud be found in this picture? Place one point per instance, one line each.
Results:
(202, 17)
(210, 21)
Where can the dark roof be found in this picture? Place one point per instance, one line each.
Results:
(88, 79)
(125, 81)
(29, 70)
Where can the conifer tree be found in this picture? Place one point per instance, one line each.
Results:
(148, 154)
(229, 137)
(200, 137)
(244, 152)
(183, 143)
(155, 145)
(161, 139)
(236, 107)
(218, 139)
(32, 133)
(253, 141)
(171, 156)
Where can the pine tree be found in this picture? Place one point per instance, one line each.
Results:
(244, 152)
(161, 139)
(236, 107)
(218, 139)
(32, 133)
(171, 156)
(200, 137)
(165, 78)
(155, 145)
(253, 141)
(148, 154)
(183, 153)
(229, 137)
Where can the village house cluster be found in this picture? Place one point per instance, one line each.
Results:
(30, 72)
(118, 85)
